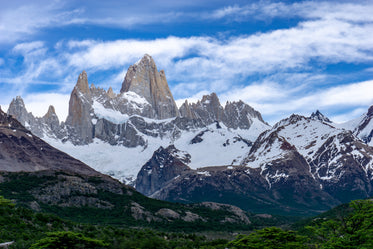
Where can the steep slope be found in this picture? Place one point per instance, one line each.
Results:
(337, 159)
(283, 184)
(20, 150)
(301, 164)
(362, 127)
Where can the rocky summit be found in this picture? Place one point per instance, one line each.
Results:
(144, 79)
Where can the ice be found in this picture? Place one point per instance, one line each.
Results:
(111, 115)
(134, 98)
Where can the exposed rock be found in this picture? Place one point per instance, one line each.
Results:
(72, 191)
(168, 213)
(20, 150)
(185, 111)
(319, 116)
(35, 206)
(190, 217)
(240, 115)
(209, 110)
(47, 125)
(144, 79)
(111, 93)
(80, 109)
(364, 128)
(240, 215)
(302, 165)
(82, 83)
(51, 120)
(165, 164)
(140, 213)
(266, 216)
(18, 110)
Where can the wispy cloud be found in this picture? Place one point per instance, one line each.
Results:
(266, 10)
(277, 101)
(39, 104)
(18, 21)
(285, 63)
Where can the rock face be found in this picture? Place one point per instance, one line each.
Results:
(235, 115)
(363, 127)
(49, 123)
(165, 165)
(80, 108)
(319, 116)
(144, 79)
(18, 110)
(240, 115)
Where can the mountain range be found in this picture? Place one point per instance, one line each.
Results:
(38, 176)
(205, 151)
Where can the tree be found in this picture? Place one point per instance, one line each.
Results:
(5, 202)
(352, 231)
(271, 237)
(67, 240)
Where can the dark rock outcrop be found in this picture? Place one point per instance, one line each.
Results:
(321, 117)
(165, 165)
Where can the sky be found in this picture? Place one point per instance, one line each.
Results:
(280, 57)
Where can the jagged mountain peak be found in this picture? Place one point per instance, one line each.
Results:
(210, 98)
(144, 79)
(370, 111)
(21, 150)
(17, 102)
(319, 116)
(51, 112)
(111, 93)
(294, 118)
(9, 122)
(146, 60)
(164, 165)
(82, 83)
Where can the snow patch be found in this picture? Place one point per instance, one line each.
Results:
(109, 114)
(133, 97)
(205, 173)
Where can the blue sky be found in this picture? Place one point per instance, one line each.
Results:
(281, 57)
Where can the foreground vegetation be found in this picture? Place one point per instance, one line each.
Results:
(347, 226)
(27, 188)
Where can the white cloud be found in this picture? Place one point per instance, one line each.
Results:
(329, 33)
(38, 104)
(341, 118)
(27, 47)
(326, 10)
(18, 21)
(275, 101)
(193, 59)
